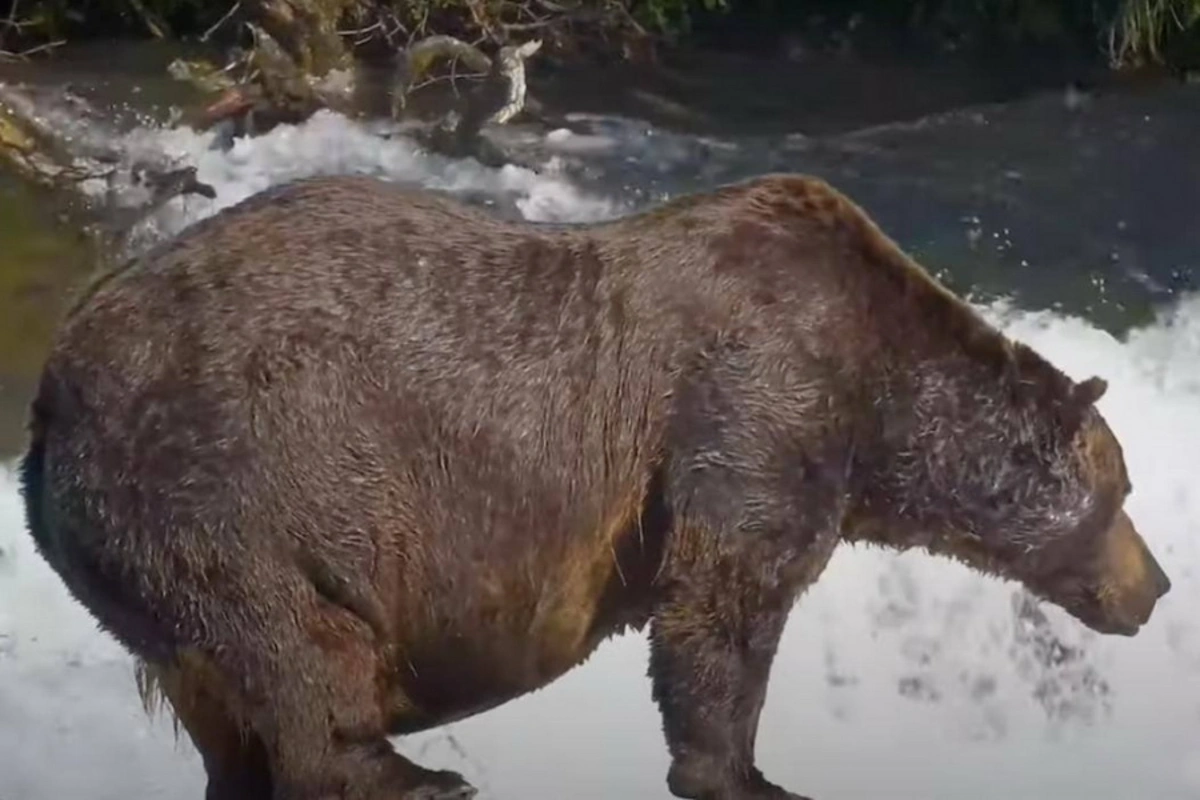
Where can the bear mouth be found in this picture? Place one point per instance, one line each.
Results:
(1116, 628)
(1106, 624)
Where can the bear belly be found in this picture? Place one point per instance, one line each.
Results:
(469, 670)
(514, 638)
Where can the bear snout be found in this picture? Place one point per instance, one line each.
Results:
(1161, 582)
(1132, 580)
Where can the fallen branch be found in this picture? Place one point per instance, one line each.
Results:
(29, 52)
(511, 63)
(40, 153)
(274, 89)
(13, 23)
(271, 91)
(419, 59)
(305, 31)
(154, 23)
(499, 95)
(30, 149)
(204, 37)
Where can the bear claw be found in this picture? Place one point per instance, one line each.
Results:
(463, 792)
(442, 785)
(696, 781)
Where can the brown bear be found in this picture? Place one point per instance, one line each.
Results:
(351, 460)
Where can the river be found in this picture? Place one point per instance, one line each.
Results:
(1073, 221)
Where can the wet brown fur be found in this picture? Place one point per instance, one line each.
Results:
(349, 460)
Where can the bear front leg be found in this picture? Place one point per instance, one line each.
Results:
(712, 642)
(757, 480)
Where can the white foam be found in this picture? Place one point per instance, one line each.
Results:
(329, 143)
(837, 724)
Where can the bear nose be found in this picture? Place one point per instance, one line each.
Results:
(1161, 581)
(1162, 584)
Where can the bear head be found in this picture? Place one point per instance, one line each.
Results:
(1027, 485)
(1097, 567)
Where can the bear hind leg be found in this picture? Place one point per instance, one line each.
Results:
(234, 757)
(324, 724)
(307, 679)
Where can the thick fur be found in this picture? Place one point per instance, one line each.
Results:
(350, 460)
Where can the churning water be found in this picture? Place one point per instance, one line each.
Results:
(899, 676)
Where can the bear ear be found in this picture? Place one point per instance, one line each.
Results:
(1087, 393)
(1083, 396)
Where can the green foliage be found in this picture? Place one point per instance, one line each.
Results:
(57, 18)
(1004, 20)
(672, 16)
(1157, 31)
(1134, 31)
(54, 19)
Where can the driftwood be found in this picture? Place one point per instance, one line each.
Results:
(298, 63)
(25, 151)
(256, 92)
(275, 87)
(272, 88)
(305, 31)
(498, 97)
(35, 151)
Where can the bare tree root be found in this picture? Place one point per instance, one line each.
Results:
(286, 76)
(14, 26)
(301, 59)
(498, 97)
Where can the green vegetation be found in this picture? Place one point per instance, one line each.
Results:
(1130, 32)
(1157, 31)
(565, 23)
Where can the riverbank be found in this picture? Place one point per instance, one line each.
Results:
(1130, 31)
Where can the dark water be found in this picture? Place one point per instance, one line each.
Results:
(1086, 205)
(899, 677)
(39, 263)
(1092, 210)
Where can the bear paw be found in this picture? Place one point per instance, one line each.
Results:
(700, 781)
(441, 785)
